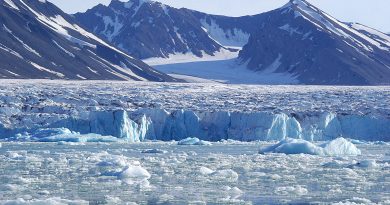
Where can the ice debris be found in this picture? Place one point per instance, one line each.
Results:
(337, 147)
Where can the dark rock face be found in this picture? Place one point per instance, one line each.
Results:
(313, 47)
(147, 29)
(38, 40)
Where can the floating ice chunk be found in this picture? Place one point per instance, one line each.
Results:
(293, 146)
(297, 190)
(193, 141)
(369, 164)
(205, 171)
(153, 151)
(10, 188)
(334, 164)
(337, 147)
(15, 155)
(234, 190)
(64, 135)
(354, 201)
(340, 147)
(1, 145)
(227, 174)
(79, 138)
(134, 173)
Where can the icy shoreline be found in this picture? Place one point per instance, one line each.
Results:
(160, 111)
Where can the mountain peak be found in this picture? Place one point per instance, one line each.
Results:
(128, 4)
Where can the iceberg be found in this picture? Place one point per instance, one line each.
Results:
(193, 141)
(293, 146)
(337, 147)
(134, 173)
(340, 147)
(64, 135)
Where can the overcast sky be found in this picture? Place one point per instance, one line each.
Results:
(374, 13)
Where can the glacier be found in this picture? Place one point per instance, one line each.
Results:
(105, 111)
(160, 124)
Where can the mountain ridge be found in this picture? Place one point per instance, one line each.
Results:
(134, 25)
(309, 44)
(38, 40)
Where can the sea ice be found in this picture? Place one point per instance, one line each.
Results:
(337, 147)
(47, 201)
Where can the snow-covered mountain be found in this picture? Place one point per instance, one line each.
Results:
(38, 40)
(148, 29)
(311, 46)
(297, 43)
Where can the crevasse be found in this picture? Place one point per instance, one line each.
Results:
(159, 124)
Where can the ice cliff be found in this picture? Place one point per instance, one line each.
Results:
(133, 112)
(159, 124)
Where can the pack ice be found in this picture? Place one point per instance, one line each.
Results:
(136, 112)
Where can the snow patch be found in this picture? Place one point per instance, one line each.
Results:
(63, 49)
(11, 4)
(41, 68)
(229, 37)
